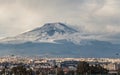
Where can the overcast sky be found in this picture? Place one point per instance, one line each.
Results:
(94, 16)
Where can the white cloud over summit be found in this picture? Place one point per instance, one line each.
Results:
(95, 16)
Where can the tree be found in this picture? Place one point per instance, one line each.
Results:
(60, 71)
(71, 72)
(21, 70)
(97, 69)
(82, 68)
(118, 71)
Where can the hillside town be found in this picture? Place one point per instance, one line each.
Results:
(16, 65)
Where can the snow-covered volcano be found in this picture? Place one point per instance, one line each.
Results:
(57, 39)
(47, 33)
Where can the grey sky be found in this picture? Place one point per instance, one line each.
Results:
(95, 16)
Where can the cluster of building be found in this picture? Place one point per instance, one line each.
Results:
(48, 66)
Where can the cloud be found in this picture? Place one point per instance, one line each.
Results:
(105, 16)
(95, 16)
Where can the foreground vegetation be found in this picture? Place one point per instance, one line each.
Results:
(83, 68)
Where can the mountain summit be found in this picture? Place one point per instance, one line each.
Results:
(47, 33)
(52, 28)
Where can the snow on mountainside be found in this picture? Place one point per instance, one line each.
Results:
(57, 39)
(47, 33)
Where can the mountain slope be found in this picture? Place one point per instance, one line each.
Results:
(47, 33)
(66, 49)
